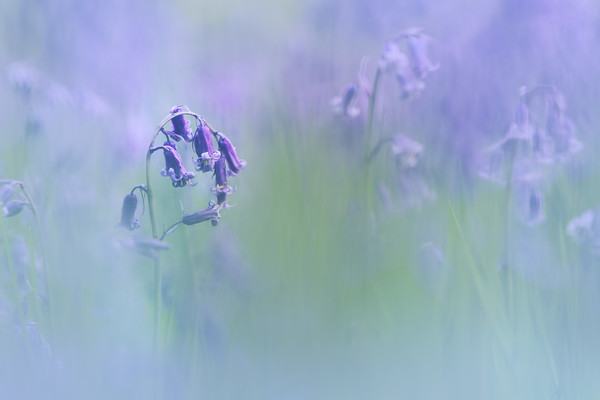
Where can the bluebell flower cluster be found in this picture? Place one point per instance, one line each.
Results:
(215, 153)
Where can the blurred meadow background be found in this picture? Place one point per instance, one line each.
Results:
(433, 236)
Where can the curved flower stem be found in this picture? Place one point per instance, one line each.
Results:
(152, 213)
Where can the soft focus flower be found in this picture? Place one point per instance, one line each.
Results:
(6, 193)
(582, 229)
(418, 49)
(344, 104)
(174, 168)
(407, 151)
(181, 126)
(203, 146)
(521, 128)
(128, 220)
(395, 61)
(12, 208)
(228, 151)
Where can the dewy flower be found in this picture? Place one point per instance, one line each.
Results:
(344, 104)
(221, 188)
(181, 126)
(12, 208)
(174, 168)
(203, 146)
(228, 151)
(128, 220)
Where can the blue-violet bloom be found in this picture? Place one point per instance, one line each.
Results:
(174, 168)
(228, 151)
(128, 220)
(203, 146)
(181, 126)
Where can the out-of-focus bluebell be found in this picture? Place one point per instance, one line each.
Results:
(13, 208)
(521, 127)
(344, 104)
(406, 151)
(174, 168)
(529, 199)
(128, 220)
(418, 47)
(6, 193)
(584, 228)
(234, 163)
(394, 61)
(203, 146)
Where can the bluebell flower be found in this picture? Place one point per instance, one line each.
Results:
(181, 126)
(221, 188)
(395, 61)
(418, 48)
(128, 220)
(12, 208)
(344, 103)
(174, 168)
(203, 146)
(208, 214)
(6, 193)
(228, 151)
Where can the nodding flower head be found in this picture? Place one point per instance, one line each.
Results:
(12, 208)
(181, 126)
(228, 151)
(344, 104)
(417, 46)
(395, 61)
(203, 146)
(208, 214)
(221, 188)
(174, 168)
(128, 220)
(6, 193)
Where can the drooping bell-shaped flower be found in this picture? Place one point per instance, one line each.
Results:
(174, 168)
(181, 126)
(203, 146)
(128, 220)
(221, 188)
(228, 151)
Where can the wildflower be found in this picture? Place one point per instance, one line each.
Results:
(582, 228)
(228, 151)
(203, 146)
(181, 126)
(174, 166)
(6, 193)
(407, 151)
(395, 61)
(521, 127)
(344, 104)
(417, 46)
(221, 188)
(211, 213)
(12, 208)
(128, 220)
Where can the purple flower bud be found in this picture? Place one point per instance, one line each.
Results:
(128, 220)
(181, 126)
(228, 151)
(13, 208)
(203, 146)
(210, 213)
(221, 188)
(174, 166)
